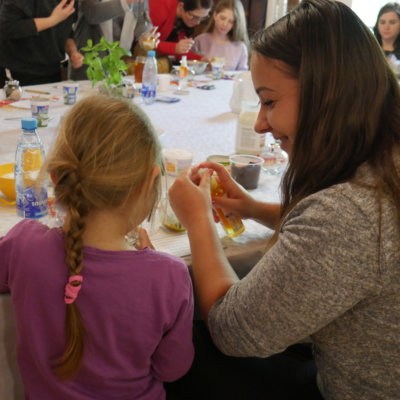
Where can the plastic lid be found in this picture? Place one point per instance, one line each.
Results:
(151, 53)
(29, 123)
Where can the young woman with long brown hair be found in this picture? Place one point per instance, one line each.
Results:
(332, 272)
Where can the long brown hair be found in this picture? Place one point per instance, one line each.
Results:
(105, 153)
(349, 106)
(239, 29)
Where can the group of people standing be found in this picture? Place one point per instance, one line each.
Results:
(36, 36)
(318, 317)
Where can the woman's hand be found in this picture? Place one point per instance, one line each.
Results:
(184, 45)
(190, 197)
(237, 200)
(62, 11)
(76, 59)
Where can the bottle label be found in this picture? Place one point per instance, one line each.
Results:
(32, 202)
(148, 91)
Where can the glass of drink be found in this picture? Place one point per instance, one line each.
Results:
(139, 65)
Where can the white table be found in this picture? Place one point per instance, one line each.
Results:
(201, 122)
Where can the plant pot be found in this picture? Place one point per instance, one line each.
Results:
(113, 91)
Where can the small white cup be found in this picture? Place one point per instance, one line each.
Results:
(163, 82)
(40, 110)
(70, 92)
(176, 160)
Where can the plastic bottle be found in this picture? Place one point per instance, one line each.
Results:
(231, 223)
(31, 196)
(149, 80)
(248, 141)
(183, 68)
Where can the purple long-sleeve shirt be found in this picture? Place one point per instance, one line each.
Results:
(137, 308)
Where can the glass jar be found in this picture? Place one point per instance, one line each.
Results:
(275, 159)
(12, 90)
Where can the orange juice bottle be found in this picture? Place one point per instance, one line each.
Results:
(231, 223)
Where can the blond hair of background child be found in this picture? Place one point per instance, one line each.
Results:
(94, 317)
(226, 35)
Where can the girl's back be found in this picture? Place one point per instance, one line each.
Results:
(136, 305)
(96, 319)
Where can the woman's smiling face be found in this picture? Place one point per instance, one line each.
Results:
(278, 92)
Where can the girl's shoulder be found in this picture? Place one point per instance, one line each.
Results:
(203, 37)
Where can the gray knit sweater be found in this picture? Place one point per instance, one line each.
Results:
(332, 276)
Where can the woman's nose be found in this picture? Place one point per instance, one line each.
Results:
(262, 125)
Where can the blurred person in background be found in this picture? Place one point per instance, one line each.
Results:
(226, 36)
(176, 21)
(35, 35)
(387, 31)
(122, 20)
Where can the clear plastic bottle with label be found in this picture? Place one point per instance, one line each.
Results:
(248, 141)
(149, 79)
(231, 223)
(31, 195)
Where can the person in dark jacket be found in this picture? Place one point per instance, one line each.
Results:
(35, 36)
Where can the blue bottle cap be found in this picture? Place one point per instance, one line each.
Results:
(151, 53)
(29, 123)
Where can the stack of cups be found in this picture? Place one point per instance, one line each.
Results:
(70, 92)
(40, 110)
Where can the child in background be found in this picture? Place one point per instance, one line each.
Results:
(226, 36)
(94, 317)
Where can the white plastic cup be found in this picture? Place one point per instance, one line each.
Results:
(40, 110)
(176, 160)
(163, 82)
(70, 92)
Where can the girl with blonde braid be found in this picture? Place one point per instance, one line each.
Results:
(97, 318)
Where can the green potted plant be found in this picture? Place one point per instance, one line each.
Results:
(105, 65)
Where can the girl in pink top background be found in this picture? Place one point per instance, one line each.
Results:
(97, 318)
(225, 36)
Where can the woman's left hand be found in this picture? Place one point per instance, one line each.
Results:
(190, 197)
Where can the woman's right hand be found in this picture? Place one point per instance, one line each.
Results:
(237, 199)
(184, 45)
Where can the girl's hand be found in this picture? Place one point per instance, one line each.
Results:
(190, 197)
(237, 200)
(143, 240)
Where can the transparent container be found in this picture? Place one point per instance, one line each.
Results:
(231, 223)
(169, 219)
(149, 79)
(275, 159)
(31, 195)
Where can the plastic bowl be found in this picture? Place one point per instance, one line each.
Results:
(7, 185)
(197, 67)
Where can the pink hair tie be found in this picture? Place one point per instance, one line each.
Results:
(72, 288)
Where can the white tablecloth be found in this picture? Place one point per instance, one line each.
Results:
(200, 122)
